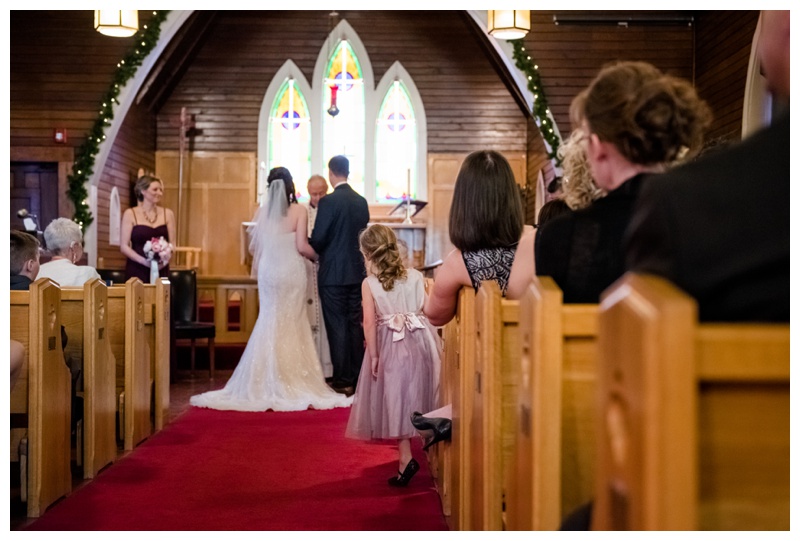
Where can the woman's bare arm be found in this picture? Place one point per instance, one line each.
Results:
(440, 306)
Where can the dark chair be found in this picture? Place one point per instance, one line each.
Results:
(112, 276)
(184, 313)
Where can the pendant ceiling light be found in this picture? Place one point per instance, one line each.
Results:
(118, 23)
(509, 23)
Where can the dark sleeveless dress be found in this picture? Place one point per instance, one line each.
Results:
(490, 264)
(140, 234)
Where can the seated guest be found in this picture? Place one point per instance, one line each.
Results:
(552, 209)
(64, 240)
(487, 230)
(719, 228)
(24, 260)
(636, 120)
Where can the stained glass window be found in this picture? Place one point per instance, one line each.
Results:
(289, 139)
(396, 146)
(345, 133)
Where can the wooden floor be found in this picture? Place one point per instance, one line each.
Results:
(179, 393)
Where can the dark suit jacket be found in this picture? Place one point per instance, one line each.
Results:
(20, 283)
(719, 229)
(341, 216)
(582, 250)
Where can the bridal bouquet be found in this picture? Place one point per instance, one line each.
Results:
(158, 247)
(157, 250)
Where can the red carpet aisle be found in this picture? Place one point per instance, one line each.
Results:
(213, 470)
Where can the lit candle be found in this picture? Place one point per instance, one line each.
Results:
(408, 190)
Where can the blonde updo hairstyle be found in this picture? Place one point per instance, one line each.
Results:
(378, 243)
(650, 117)
(142, 184)
(577, 186)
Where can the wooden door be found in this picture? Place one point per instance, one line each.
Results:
(34, 186)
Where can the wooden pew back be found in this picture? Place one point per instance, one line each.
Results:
(554, 435)
(694, 424)
(128, 336)
(157, 327)
(43, 393)
(460, 372)
(494, 413)
(84, 314)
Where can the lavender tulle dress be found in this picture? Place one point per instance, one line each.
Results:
(410, 361)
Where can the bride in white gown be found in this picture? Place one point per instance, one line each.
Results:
(279, 369)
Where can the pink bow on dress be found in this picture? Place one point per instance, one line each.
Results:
(400, 322)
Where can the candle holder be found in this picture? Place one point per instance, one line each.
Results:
(408, 211)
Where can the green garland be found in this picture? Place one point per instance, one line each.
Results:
(541, 111)
(145, 40)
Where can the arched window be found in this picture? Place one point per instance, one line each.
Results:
(381, 130)
(286, 127)
(344, 132)
(289, 138)
(395, 146)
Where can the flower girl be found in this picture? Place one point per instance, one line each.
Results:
(400, 372)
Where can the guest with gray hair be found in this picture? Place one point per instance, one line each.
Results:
(64, 240)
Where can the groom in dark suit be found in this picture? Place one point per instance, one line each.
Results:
(341, 216)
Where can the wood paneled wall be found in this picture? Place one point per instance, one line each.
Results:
(537, 161)
(724, 40)
(60, 68)
(467, 105)
(219, 193)
(713, 53)
(134, 148)
(569, 55)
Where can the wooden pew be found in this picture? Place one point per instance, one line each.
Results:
(157, 325)
(694, 425)
(458, 375)
(493, 419)
(42, 393)
(84, 314)
(553, 452)
(128, 336)
(440, 457)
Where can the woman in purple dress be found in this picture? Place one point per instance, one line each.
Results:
(143, 222)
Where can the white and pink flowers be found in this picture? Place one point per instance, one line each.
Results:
(158, 247)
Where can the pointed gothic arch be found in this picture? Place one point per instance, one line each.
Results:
(397, 72)
(289, 71)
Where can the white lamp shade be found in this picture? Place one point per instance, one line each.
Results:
(509, 23)
(118, 23)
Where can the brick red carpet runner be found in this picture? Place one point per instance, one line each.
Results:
(214, 470)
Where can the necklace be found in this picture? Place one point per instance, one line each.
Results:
(147, 216)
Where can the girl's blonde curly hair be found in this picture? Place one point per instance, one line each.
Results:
(378, 244)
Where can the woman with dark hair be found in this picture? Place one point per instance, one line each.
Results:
(279, 369)
(488, 232)
(635, 121)
(145, 221)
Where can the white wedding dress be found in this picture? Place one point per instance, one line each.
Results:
(279, 369)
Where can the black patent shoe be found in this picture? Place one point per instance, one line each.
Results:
(439, 427)
(402, 479)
